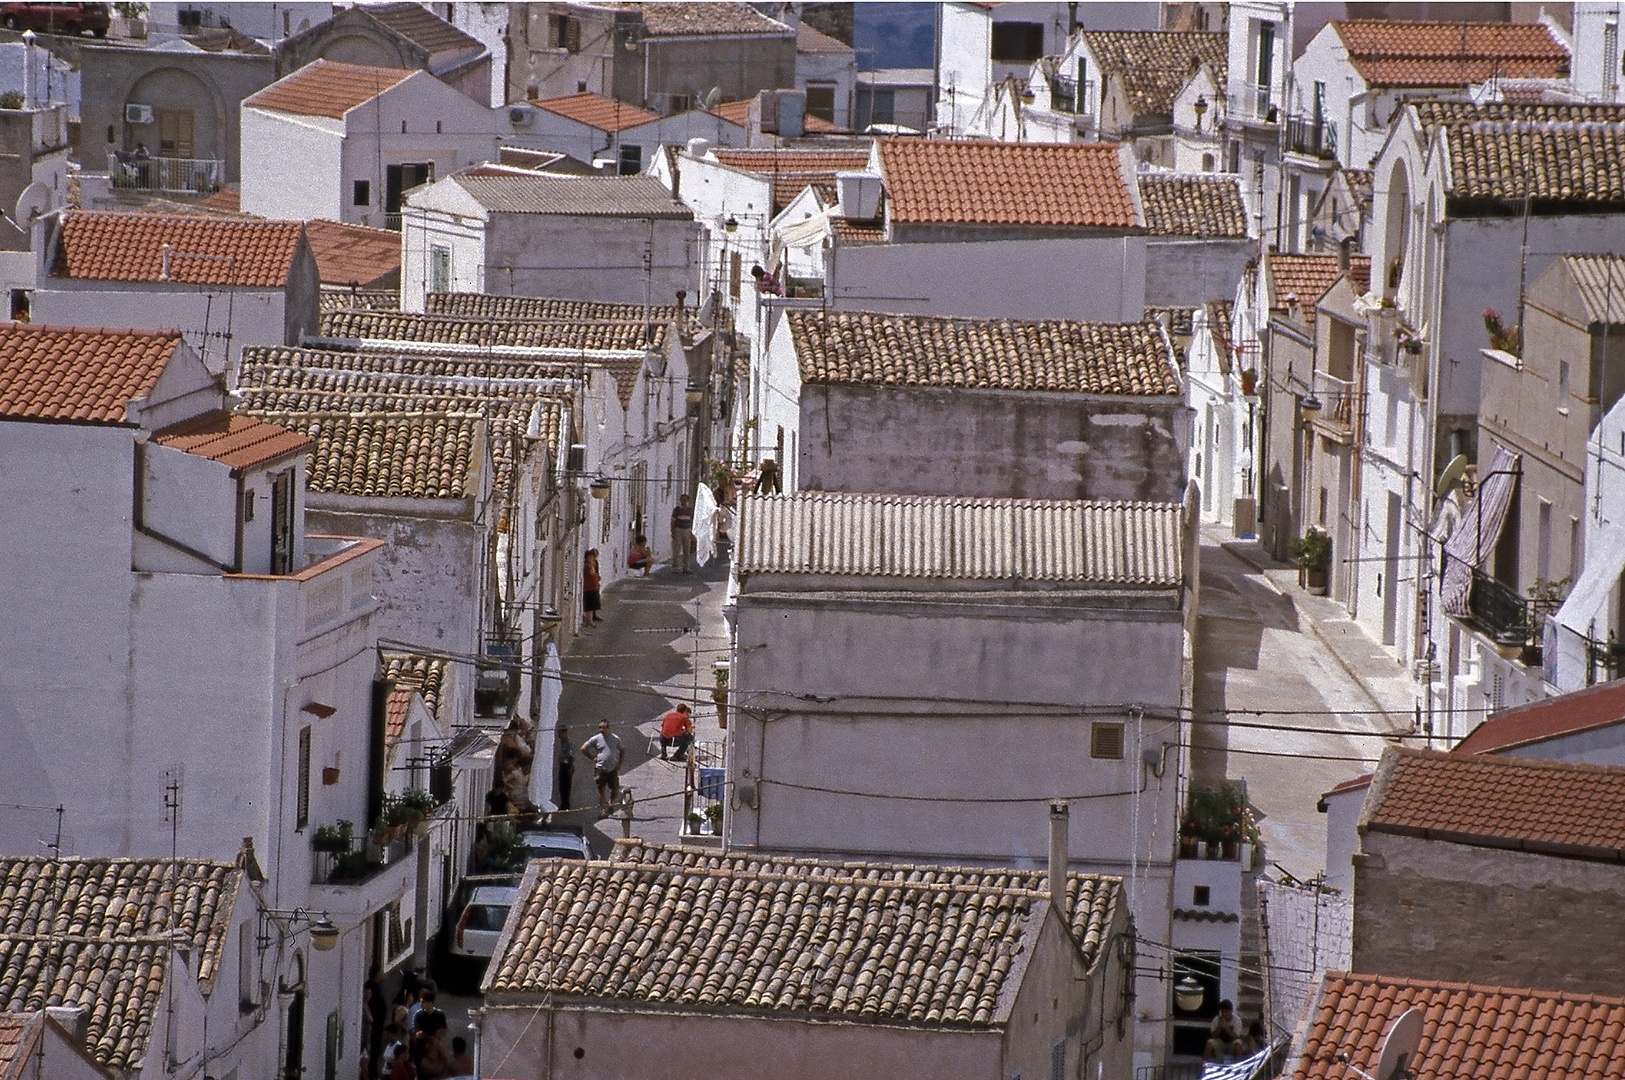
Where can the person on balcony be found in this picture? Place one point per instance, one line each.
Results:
(766, 283)
(676, 733)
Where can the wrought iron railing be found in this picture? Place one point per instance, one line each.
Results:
(366, 860)
(1337, 399)
(1307, 135)
(1499, 610)
(199, 176)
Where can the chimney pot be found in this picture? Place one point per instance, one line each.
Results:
(1058, 813)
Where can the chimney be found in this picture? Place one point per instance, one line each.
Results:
(1057, 856)
(30, 76)
(1343, 248)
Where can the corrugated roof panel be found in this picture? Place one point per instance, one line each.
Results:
(971, 539)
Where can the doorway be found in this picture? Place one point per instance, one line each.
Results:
(293, 1068)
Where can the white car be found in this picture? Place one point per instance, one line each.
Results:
(481, 921)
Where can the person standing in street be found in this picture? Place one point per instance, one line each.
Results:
(682, 537)
(591, 582)
(606, 753)
(567, 767)
(676, 733)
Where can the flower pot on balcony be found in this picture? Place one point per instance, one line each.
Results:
(332, 845)
(1249, 381)
(1228, 850)
(720, 696)
(330, 776)
(1188, 846)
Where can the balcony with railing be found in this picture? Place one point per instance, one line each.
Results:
(1499, 610)
(1316, 138)
(1069, 96)
(364, 861)
(1252, 104)
(195, 176)
(1337, 403)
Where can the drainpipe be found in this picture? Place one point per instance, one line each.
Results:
(1058, 813)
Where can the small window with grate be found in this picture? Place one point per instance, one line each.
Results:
(1106, 741)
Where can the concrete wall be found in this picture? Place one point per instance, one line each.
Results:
(208, 316)
(292, 168)
(741, 65)
(1426, 909)
(1093, 278)
(425, 228)
(589, 258)
(1060, 1005)
(615, 1043)
(992, 443)
(1189, 273)
(209, 85)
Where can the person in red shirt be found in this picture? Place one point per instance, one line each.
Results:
(591, 600)
(676, 733)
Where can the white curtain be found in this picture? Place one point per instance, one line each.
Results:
(541, 768)
(705, 525)
(1477, 531)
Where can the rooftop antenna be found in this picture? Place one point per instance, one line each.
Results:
(172, 809)
(1398, 1047)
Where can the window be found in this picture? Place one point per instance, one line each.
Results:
(1563, 382)
(1057, 1060)
(631, 162)
(1576, 544)
(1201, 896)
(678, 103)
(248, 506)
(1266, 66)
(1017, 42)
(1207, 162)
(439, 268)
(821, 101)
(335, 1045)
(1106, 741)
(1323, 508)
(175, 133)
(362, 193)
(301, 814)
(400, 179)
(1543, 550)
(247, 988)
(564, 32)
(282, 507)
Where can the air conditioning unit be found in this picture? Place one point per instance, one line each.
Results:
(138, 114)
(521, 116)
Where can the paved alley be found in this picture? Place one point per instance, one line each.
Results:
(1264, 644)
(653, 648)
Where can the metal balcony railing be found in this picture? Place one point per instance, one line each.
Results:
(1252, 103)
(365, 861)
(1067, 96)
(198, 176)
(1315, 138)
(1337, 399)
(1499, 610)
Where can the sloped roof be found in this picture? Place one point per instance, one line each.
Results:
(704, 20)
(1550, 718)
(78, 375)
(798, 161)
(606, 114)
(737, 113)
(949, 537)
(1309, 276)
(97, 933)
(932, 181)
(357, 324)
(388, 455)
(1600, 280)
(422, 27)
(1483, 1032)
(584, 196)
(414, 674)
(984, 354)
(487, 306)
(809, 39)
(347, 254)
(1581, 162)
(1433, 113)
(236, 440)
(203, 250)
(340, 298)
(1415, 53)
(1206, 205)
(854, 231)
(1551, 807)
(745, 933)
(328, 88)
(1155, 64)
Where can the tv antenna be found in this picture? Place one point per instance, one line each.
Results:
(1398, 1047)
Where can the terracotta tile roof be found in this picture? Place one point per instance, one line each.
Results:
(1407, 53)
(486, 306)
(597, 111)
(96, 932)
(1433, 113)
(422, 28)
(236, 440)
(1483, 1032)
(1207, 205)
(327, 88)
(98, 246)
(861, 942)
(412, 674)
(810, 39)
(1309, 276)
(1178, 318)
(704, 20)
(354, 254)
(786, 188)
(1550, 718)
(16, 1040)
(226, 200)
(853, 231)
(1154, 65)
(80, 375)
(388, 455)
(338, 298)
(967, 539)
(1553, 807)
(583, 196)
(524, 333)
(982, 354)
(1581, 162)
(932, 181)
(798, 162)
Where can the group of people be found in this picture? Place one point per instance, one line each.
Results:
(407, 1041)
(1226, 1043)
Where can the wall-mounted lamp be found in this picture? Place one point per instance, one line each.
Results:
(1200, 108)
(1189, 994)
(324, 935)
(731, 225)
(694, 393)
(599, 488)
(1310, 403)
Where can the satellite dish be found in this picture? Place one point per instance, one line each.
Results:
(712, 96)
(34, 202)
(1452, 473)
(1394, 1063)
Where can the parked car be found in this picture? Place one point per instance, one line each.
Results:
(554, 843)
(72, 19)
(474, 920)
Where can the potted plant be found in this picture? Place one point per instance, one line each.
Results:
(419, 804)
(1508, 339)
(695, 818)
(1219, 816)
(1408, 338)
(1313, 550)
(333, 838)
(720, 694)
(1249, 381)
(350, 866)
(713, 817)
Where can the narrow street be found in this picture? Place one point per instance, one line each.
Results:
(1264, 644)
(643, 658)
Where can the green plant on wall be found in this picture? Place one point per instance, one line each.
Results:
(1218, 814)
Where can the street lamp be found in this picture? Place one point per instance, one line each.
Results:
(1200, 107)
(731, 225)
(324, 935)
(694, 393)
(600, 488)
(1310, 403)
(1189, 994)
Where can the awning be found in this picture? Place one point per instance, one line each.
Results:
(1477, 532)
(1587, 604)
